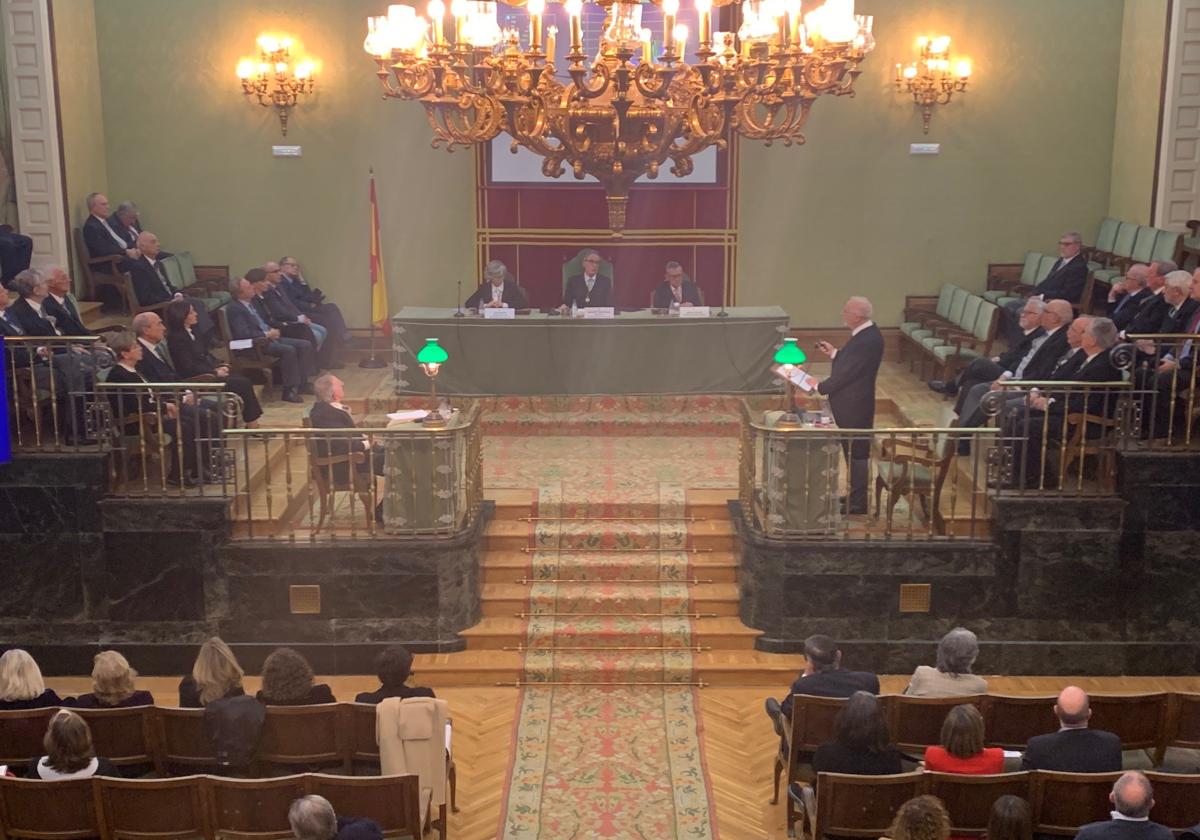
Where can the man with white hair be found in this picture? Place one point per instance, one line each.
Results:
(100, 237)
(495, 292)
(152, 286)
(591, 288)
(313, 818)
(1153, 307)
(1127, 296)
(1132, 798)
(61, 303)
(851, 392)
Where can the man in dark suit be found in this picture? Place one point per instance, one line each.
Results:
(1127, 296)
(494, 292)
(330, 412)
(1073, 748)
(62, 304)
(99, 236)
(311, 301)
(126, 223)
(590, 288)
(1132, 798)
(851, 392)
(1064, 282)
(151, 284)
(1153, 307)
(279, 311)
(675, 289)
(16, 250)
(1170, 372)
(297, 361)
(989, 370)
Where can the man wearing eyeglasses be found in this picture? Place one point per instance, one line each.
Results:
(1064, 282)
(590, 288)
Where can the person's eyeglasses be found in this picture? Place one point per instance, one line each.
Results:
(1065, 243)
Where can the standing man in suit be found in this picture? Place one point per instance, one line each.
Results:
(1132, 798)
(494, 292)
(590, 288)
(851, 391)
(1064, 282)
(61, 303)
(297, 362)
(675, 289)
(310, 300)
(151, 284)
(1073, 748)
(99, 236)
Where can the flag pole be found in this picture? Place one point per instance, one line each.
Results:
(377, 281)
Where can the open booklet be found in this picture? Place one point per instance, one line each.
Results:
(798, 377)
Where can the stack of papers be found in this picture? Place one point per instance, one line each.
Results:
(408, 416)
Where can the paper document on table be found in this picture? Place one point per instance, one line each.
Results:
(241, 344)
(449, 732)
(408, 416)
(798, 377)
(1012, 753)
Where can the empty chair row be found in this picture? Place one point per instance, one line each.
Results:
(961, 327)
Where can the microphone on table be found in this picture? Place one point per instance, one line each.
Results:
(458, 313)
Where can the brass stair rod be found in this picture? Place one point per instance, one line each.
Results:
(528, 550)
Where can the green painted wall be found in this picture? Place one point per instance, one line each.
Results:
(1026, 154)
(80, 98)
(195, 154)
(1135, 134)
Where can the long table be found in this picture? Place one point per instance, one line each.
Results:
(633, 353)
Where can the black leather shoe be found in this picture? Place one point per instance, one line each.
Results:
(775, 712)
(290, 395)
(937, 385)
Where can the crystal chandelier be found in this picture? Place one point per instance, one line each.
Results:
(623, 113)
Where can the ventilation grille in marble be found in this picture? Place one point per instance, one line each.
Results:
(915, 597)
(305, 599)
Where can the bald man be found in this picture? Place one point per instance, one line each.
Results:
(851, 392)
(1132, 798)
(152, 285)
(1073, 748)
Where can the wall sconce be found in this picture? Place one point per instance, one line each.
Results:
(274, 79)
(934, 77)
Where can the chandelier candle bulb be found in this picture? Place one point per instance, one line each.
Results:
(575, 10)
(793, 13)
(536, 9)
(458, 9)
(704, 8)
(681, 36)
(646, 57)
(437, 14)
(670, 9)
(551, 41)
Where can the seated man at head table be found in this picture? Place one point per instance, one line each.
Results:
(590, 288)
(494, 292)
(675, 289)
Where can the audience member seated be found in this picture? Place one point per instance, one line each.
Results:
(297, 361)
(494, 292)
(188, 353)
(280, 309)
(113, 684)
(590, 288)
(823, 676)
(61, 304)
(1073, 748)
(215, 675)
(675, 289)
(152, 286)
(920, 818)
(1064, 282)
(1180, 306)
(1127, 296)
(1036, 365)
(101, 239)
(311, 301)
(1017, 356)
(23, 357)
(394, 667)
(1132, 798)
(1011, 819)
(287, 680)
(16, 250)
(956, 655)
(1153, 307)
(126, 223)
(313, 818)
(22, 686)
(69, 752)
(962, 750)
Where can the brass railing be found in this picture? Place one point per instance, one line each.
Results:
(406, 481)
(47, 379)
(1164, 374)
(795, 482)
(165, 437)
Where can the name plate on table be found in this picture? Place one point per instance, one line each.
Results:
(694, 312)
(599, 312)
(501, 313)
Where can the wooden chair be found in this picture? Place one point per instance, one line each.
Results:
(1062, 802)
(124, 736)
(916, 722)
(363, 746)
(99, 272)
(253, 809)
(392, 801)
(322, 473)
(812, 725)
(63, 810)
(1139, 720)
(969, 799)
(243, 362)
(917, 470)
(182, 739)
(305, 736)
(1080, 445)
(861, 806)
(1175, 800)
(21, 734)
(1183, 725)
(154, 809)
(1010, 722)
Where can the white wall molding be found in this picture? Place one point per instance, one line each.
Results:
(1178, 198)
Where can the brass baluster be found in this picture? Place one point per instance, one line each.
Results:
(267, 479)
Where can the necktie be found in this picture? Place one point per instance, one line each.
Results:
(1033, 348)
(70, 307)
(161, 352)
(162, 276)
(1124, 300)
(262, 325)
(677, 291)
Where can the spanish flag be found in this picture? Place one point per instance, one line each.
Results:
(379, 301)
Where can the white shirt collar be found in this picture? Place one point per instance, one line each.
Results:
(1117, 815)
(61, 300)
(1094, 355)
(861, 327)
(145, 342)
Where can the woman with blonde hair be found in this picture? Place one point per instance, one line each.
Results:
(21, 683)
(112, 684)
(69, 751)
(215, 675)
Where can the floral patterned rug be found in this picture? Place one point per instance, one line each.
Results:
(616, 751)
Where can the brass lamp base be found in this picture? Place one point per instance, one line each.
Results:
(789, 420)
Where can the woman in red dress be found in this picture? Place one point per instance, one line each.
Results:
(962, 749)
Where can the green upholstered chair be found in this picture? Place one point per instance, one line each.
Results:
(958, 302)
(940, 312)
(1105, 240)
(181, 271)
(916, 470)
(574, 266)
(1166, 245)
(960, 349)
